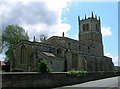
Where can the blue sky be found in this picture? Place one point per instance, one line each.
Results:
(108, 12)
(53, 19)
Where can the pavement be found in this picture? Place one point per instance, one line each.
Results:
(108, 83)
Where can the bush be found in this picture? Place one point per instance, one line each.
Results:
(17, 70)
(42, 67)
(77, 73)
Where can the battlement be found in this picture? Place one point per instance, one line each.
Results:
(95, 18)
(90, 32)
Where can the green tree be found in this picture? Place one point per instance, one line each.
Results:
(42, 67)
(11, 36)
(43, 38)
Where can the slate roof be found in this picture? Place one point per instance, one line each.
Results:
(62, 38)
(31, 43)
(48, 54)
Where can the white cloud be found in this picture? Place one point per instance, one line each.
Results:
(106, 31)
(56, 5)
(115, 59)
(36, 17)
(60, 28)
(53, 30)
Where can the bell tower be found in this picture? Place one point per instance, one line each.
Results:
(90, 33)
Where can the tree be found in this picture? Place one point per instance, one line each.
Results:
(43, 38)
(11, 36)
(42, 67)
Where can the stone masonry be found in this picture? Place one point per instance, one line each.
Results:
(64, 54)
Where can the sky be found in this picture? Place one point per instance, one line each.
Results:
(53, 17)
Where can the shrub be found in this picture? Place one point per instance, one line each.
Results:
(77, 73)
(17, 70)
(42, 67)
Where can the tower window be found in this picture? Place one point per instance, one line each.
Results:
(97, 28)
(87, 27)
(83, 27)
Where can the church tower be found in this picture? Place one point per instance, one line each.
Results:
(90, 34)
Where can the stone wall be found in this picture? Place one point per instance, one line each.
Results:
(35, 80)
(64, 42)
(29, 59)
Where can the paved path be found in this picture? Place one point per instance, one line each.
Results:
(108, 83)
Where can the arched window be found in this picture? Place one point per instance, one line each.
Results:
(87, 27)
(83, 27)
(58, 51)
(97, 29)
(23, 54)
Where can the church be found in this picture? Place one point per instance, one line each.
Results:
(63, 53)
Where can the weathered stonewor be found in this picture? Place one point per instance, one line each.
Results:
(37, 80)
(63, 53)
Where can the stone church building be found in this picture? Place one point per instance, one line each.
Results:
(63, 53)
